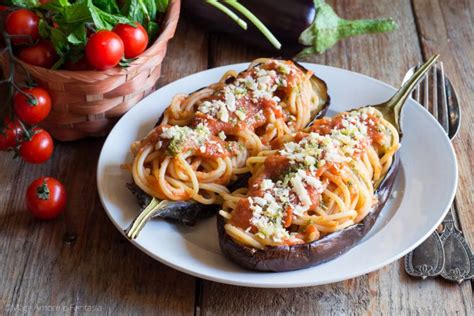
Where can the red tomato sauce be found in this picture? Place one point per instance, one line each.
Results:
(242, 214)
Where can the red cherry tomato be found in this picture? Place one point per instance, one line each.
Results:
(46, 198)
(10, 134)
(35, 110)
(22, 22)
(39, 149)
(42, 54)
(135, 39)
(104, 50)
(2, 16)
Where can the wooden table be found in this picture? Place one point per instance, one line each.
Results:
(100, 272)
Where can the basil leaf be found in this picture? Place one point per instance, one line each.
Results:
(78, 36)
(161, 5)
(107, 6)
(151, 8)
(133, 11)
(44, 29)
(152, 29)
(104, 20)
(29, 4)
(59, 40)
(77, 13)
(56, 6)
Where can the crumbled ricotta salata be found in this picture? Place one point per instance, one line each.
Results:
(336, 147)
(181, 135)
(291, 191)
(257, 85)
(269, 210)
(222, 135)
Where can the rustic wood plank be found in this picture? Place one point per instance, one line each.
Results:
(187, 53)
(388, 290)
(447, 28)
(100, 271)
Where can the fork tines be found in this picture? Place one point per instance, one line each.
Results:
(430, 91)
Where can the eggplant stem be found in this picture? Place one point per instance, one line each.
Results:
(255, 21)
(392, 109)
(358, 27)
(228, 12)
(139, 222)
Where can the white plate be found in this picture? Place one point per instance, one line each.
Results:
(425, 188)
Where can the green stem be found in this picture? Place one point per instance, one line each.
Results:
(10, 79)
(229, 13)
(136, 226)
(391, 110)
(358, 27)
(145, 11)
(255, 21)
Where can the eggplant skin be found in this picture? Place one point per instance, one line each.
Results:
(287, 258)
(286, 19)
(322, 88)
(183, 212)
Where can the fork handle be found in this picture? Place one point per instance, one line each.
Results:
(459, 259)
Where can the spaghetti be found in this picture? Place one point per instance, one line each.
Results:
(205, 138)
(314, 182)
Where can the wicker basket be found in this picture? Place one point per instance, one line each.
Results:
(88, 103)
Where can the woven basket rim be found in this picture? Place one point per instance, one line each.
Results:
(166, 34)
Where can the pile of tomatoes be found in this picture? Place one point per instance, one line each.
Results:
(46, 196)
(104, 49)
(31, 106)
(100, 50)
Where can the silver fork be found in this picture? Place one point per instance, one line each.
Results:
(445, 252)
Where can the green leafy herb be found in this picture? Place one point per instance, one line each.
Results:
(107, 6)
(29, 4)
(44, 29)
(144, 12)
(78, 36)
(55, 6)
(73, 19)
(161, 5)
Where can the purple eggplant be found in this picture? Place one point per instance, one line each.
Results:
(300, 26)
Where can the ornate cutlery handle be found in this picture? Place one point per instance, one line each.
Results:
(459, 260)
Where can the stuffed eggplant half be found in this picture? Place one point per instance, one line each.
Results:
(307, 196)
(203, 140)
(317, 192)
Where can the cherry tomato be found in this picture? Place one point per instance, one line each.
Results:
(46, 198)
(42, 54)
(32, 111)
(104, 50)
(10, 135)
(135, 39)
(2, 16)
(39, 149)
(22, 22)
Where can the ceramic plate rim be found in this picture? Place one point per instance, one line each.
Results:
(216, 277)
